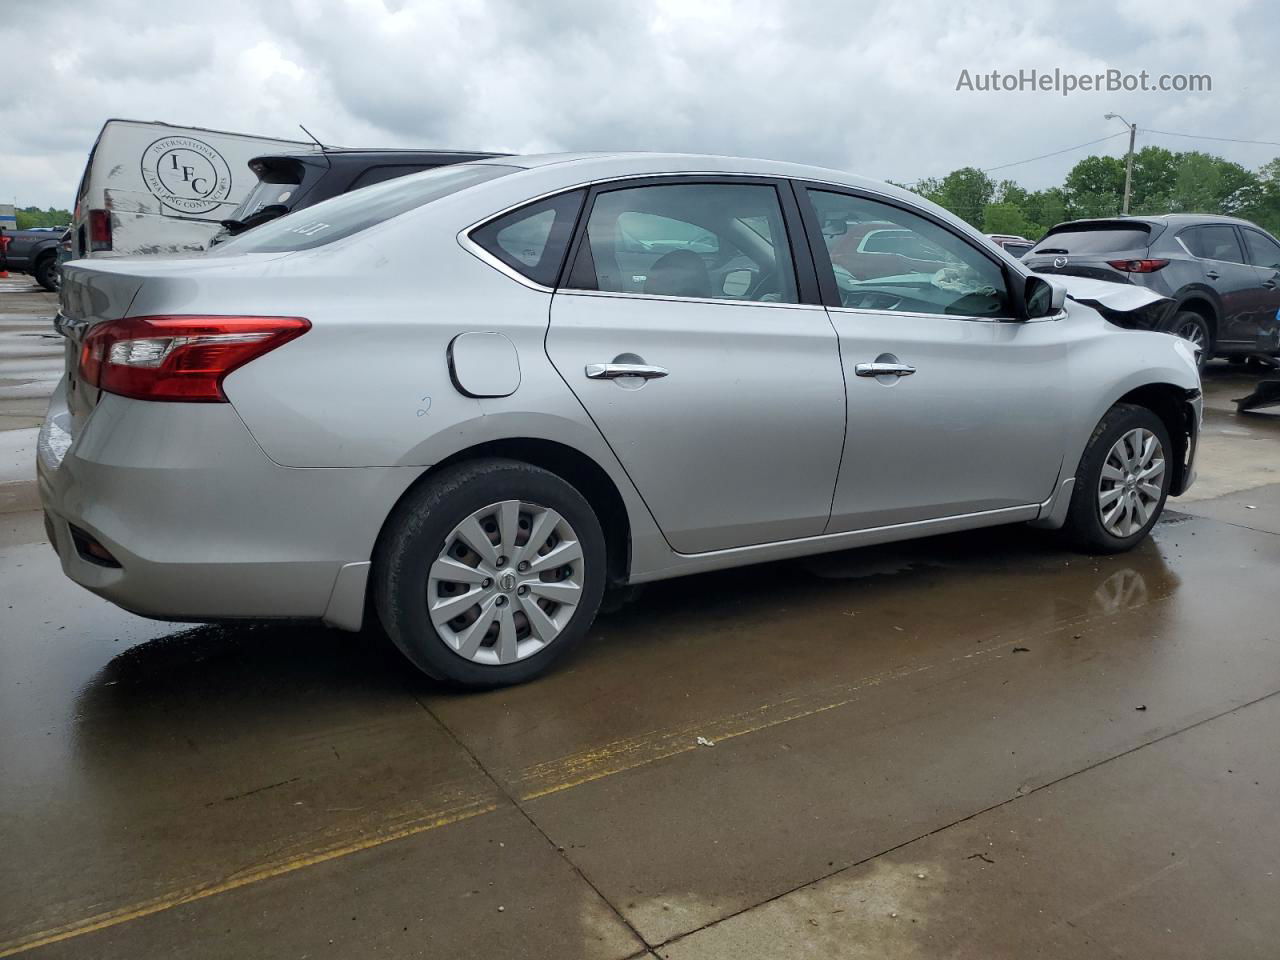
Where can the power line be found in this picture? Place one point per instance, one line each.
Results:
(1055, 153)
(1042, 156)
(1090, 143)
(1195, 136)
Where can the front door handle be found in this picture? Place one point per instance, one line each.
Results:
(613, 371)
(1212, 274)
(879, 369)
(1270, 284)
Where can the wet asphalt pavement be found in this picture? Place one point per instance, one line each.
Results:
(976, 746)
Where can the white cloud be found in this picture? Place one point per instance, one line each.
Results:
(862, 86)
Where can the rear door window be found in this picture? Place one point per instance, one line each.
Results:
(534, 239)
(705, 241)
(1263, 251)
(352, 212)
(1091, 240)
(1213, 242)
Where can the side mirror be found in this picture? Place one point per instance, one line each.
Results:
(1043, 297)
(835, 228)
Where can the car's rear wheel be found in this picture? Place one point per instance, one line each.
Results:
(46, 272)
(1194, 328)
(1122, 481)
(489, 573)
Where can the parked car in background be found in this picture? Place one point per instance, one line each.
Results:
(1222, 274)
(1014, 245)
(155, 188)
(869, 250)
(35, 252)
(480, 395)
(291, 182)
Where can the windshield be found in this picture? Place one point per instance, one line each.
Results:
(352, 212)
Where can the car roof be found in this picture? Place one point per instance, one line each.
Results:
(615, 164)
(1160, 219)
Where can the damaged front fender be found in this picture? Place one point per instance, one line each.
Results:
(1124, 304)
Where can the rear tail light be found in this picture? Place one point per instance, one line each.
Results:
(178, 358)
(99, 230)
(1138, 266)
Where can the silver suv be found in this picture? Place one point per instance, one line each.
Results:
(477, 398)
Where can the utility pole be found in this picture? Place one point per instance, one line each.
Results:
(1128, 160)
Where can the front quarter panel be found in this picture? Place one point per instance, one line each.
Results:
(1105, 363)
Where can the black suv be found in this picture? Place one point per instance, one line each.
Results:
(1222, 273)
(288, 182)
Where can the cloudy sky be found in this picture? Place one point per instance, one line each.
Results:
(868, 87)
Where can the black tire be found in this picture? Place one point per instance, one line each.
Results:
(1084, 527)
(1184, 322)
(46, 272)
(415, 535)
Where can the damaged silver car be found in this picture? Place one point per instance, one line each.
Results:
(472, 400)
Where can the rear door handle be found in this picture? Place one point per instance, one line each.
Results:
(883, 369)
(1213, 274)
(612, 371)
(1270, 284)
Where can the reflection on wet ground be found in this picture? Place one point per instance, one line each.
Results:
(723, 740)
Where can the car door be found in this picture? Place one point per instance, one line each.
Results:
(1236, 283)
(1263, 253)
(696, 343)
(954, 406)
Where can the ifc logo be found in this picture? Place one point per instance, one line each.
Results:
(185, 174)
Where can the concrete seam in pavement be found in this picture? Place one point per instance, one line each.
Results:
(515, 802)
(965, 819)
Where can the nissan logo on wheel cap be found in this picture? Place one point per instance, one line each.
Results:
(1059, 262)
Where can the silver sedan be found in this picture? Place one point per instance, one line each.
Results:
(476, 399)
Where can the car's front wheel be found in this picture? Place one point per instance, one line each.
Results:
(1122, 481)
(489, 573)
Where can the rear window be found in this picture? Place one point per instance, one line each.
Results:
(350, 213)
(382, 174)
(278, 182)
(1100, 239)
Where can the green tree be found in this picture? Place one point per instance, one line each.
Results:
(1154, 171)
(1044, 209)
(1007, 218)
(1260, 202)
(28, 217)
(965, 192)
(1095, 187)
(1204, 183)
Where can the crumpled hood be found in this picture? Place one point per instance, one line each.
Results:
(1124, 304)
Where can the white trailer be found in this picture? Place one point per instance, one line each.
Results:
(155, 188)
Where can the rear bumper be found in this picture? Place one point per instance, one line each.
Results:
(202, 524)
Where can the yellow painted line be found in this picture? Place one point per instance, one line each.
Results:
(112, 918)
(628, 753)
(530, 783)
